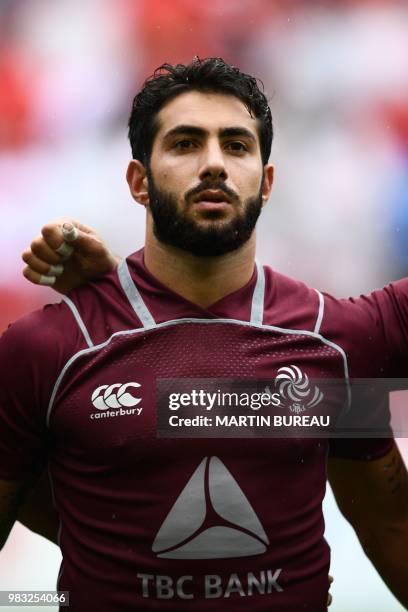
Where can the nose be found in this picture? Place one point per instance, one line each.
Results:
(213, 164)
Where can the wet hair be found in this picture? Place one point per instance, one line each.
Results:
(209, 75)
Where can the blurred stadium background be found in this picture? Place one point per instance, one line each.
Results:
(336, 75)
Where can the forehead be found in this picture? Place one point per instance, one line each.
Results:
(209, 111)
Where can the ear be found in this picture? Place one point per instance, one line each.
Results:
(267, 182)
(137, 181)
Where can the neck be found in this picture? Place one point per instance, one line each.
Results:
(201, 280)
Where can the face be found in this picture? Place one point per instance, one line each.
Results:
(206, 181)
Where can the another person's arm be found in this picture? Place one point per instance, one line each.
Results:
(373, 497)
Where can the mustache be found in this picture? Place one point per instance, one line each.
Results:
(204, 185)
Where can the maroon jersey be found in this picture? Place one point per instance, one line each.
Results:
(149, 523)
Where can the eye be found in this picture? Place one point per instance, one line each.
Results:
(237, 147)
(184, 145)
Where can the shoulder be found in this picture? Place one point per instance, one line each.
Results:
(290, 303)
(101, 308)
(376, 308)
(372, 328)
(34, 349)
(49, 330)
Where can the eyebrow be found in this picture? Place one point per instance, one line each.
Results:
(193, 130)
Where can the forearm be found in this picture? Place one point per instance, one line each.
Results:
(386, 546)
(384, 535)
(373, 497)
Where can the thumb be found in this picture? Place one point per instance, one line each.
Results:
(84, 243)
(88, 250)
(69, 232)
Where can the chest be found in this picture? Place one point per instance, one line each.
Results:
(105, 405)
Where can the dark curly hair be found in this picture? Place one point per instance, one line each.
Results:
(211, 74)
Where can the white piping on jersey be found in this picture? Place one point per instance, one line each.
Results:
(258, 296)
(134, 296)
(298, 332)
(78, 319)
(320, 313)
(147, 320)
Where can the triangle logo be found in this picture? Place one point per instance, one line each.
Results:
(211, 519)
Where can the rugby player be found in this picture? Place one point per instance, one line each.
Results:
(148, 523)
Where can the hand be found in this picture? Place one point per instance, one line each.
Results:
(329, 596)
(67, 254)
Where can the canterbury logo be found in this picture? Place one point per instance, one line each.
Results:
(211, 519)
(295, 386)
(115, 396)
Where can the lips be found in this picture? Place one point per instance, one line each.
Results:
(214, 196)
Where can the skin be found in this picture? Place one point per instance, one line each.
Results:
(179, 162)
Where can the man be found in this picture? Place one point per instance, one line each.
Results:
(149, 523)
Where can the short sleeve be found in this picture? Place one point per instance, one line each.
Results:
(22, 433)
(372, 330)
(393, 302)
(32, 353)
(387, 312)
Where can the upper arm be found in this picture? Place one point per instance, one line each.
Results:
(23, 435)
(32, 353)
(371, 492)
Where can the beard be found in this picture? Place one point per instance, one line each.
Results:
(175, 228)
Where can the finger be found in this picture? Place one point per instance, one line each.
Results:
(53, 232)
(65, 250)
(85, 244)
(329, 599)
(56, 236)
(81, 227)
(58, 231)
(69, 232)
(38, 279)
(60, 234)
(331, 579)
(43, 251)
(40, 266)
